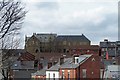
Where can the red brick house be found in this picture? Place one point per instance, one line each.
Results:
(91, 68)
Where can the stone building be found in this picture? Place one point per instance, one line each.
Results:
(63, 43)
(53, 43)
(39, 43)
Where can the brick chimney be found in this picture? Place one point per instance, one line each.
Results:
(40, 66)
(61, 60)
(49, 65)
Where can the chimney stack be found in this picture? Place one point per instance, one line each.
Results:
(105, 40)
(40, 66)
(34, 33)
(61, 60)
(49, 65)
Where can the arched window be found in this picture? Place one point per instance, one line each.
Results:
(36, 50)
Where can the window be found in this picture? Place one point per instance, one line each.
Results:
(84, 73)
(84, 43)
(36, 50)
(80, 43)
(118, 48)
(68, 74)
(69, 43)
(74, 43)
(77, 60)
(49, 76)
(101, 73)
(53, 76)
(62, 74)
(64, 42)
(102, 49)
(33, 42)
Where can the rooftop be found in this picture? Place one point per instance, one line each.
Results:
(72, 38)
(68, 63)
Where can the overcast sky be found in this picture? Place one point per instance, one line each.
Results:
(96, 19)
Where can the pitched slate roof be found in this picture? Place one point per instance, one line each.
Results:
(45, 37)
(22, 75)
(68, 63)
(72, 38)
(41, 72)
(22, 65)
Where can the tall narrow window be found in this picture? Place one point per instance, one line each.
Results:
(101, 73)
(62, 74)
(49, 76)
(53, 76)
(68, 74)
(77, 60)
(84, 73)
(33, 42)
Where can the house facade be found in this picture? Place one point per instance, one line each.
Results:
(92, 68)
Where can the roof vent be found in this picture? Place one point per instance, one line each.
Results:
(15, 65)
(106, 40)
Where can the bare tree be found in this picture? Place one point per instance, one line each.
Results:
(11, 17)
(12, 14)
(8, 45)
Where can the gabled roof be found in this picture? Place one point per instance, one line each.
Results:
(68, 63)
(72, 38)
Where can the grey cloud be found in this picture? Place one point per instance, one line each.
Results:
(47, 5)
(95, 32)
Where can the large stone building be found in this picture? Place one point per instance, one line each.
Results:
(53, 43)
(63, 43)
(39, 43)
